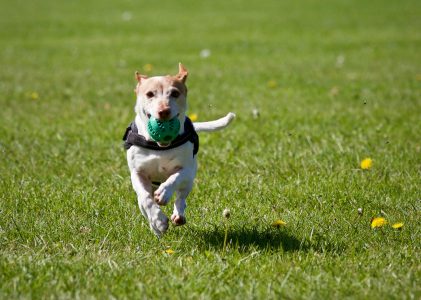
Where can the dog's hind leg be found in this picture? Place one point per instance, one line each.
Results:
(158, 221)
(177, 216)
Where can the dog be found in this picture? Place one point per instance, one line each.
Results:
(160, 169)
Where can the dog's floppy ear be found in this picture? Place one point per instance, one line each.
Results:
(182, 73)
(139, 76)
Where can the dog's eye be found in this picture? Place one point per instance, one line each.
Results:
(150, 94)
(175, 94)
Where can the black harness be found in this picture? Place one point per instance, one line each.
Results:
(132, 137)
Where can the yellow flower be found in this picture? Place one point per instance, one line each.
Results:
(169, 251)
(147, 68)
(366, 163)
(272, 84)
(378, 222)
(279, 223)
(193, 117)
(32, 95)
(397, 225)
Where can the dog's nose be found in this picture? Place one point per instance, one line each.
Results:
(164, 113)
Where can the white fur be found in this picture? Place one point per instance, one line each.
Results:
(214, 125)
(175, 168)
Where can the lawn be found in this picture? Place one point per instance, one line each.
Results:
(317, 86)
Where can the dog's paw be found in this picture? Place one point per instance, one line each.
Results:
(159, 223)
(163, 195)
(178, 220)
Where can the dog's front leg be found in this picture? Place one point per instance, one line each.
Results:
(174, 182)
(157, 219)
(181, 182)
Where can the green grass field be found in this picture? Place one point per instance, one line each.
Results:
(334, 82)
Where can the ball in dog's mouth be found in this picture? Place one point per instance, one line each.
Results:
(163, 131)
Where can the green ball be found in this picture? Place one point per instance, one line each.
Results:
(163, 131)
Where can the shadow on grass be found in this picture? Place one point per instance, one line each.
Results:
(271, 239)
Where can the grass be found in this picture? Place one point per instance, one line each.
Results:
(334, 82)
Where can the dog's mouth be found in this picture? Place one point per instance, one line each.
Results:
(148, 115)
(163, 145)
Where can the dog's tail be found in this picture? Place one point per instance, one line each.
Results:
(214, 125)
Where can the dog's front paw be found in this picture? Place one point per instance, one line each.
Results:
(159, 223)
(163, 195)
(178, 220)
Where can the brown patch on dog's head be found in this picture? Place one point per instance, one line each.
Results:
(178, 84)
(179, 80)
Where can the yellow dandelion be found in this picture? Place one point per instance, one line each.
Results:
(193, 117)
(279, 223)
(34, 96)
(397, 225)
(169, 251)
(378, 222)
(366, 163)
(148, 67)
(272, 84)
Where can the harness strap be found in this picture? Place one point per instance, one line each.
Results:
(132, 137)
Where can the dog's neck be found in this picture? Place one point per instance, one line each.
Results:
(142, 124)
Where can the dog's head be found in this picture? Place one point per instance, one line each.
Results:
(162, 97)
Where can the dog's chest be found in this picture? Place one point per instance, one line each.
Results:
(159, 165)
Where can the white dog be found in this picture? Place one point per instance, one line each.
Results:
(160, 169)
